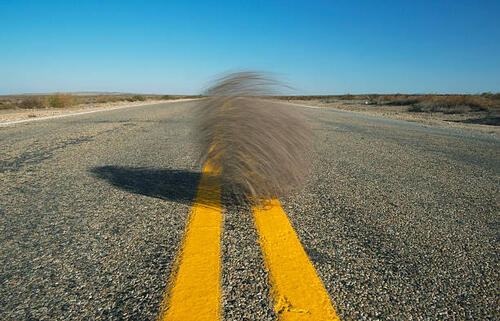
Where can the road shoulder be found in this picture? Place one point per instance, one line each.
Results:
(455, 121)
(12, 116)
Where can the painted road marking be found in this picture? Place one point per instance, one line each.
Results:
(298, 293)
(194, 292)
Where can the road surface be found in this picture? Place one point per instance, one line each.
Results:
(399, 220)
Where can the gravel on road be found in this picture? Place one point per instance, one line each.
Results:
(399, 219)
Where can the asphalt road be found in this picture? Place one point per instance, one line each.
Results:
(400, 220)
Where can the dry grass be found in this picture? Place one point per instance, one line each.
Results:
(398, 99)
(7, 105)
(137, 98)
(419, 103)
(32, 102)
(68, 100)
(454, 104)
(63, 100)
(261, 147)
(107, 99)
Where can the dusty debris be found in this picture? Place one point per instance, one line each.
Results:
(260, 146)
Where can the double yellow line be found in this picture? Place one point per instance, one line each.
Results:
(194, 291)
(298, 292)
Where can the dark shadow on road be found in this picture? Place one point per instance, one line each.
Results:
(487, 120)
(179, 186)
(167, 184)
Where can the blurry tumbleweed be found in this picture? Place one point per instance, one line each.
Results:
(261, 147)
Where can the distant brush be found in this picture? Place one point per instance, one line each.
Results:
(261, 147)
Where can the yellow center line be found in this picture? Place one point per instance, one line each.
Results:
(194, 291)
(298, 292)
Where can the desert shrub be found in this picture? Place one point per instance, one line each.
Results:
(346, 97)
(491, 96)
(398, 100)
(416, 108)
(31, 102)
(61, 100)
(371, 98)
(167, 97)
(137, 98)
(434, 105)
(452, 104)
(479, 103)
(7, 105)
(108, 99)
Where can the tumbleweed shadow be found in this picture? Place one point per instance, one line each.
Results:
(167, 184)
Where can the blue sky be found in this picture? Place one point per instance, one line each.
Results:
(319, 47)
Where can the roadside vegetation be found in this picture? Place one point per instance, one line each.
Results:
(433, 103)
(448, 104)
(31, 103)
(60, 100)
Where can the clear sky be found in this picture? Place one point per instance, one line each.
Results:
(318, 47)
